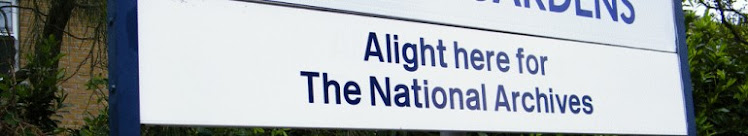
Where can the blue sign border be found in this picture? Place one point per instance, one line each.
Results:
(124, 96)
(685, 71)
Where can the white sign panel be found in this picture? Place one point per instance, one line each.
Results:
(234, 63)
(644, 24)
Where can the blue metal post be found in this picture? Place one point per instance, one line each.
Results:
(124, 106)
(682, 49)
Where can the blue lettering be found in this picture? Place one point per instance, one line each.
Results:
(441, 49)
(459, 51)
(559, 8)
(402, 99)
(426, 47)
(500, 93)
(415, 89)
(444, 97)
(612, 8)
(309, 83)
(351, 88)
(628, 19)
(561, 103)
(587, 102)
(473, 101)
(541, 96)
(374, 85)
(540, 4)
(476, 56)
(574, 101)
(373, 41)
(413, 60)
(452, 92)
(519, 58)
(327, 85)
(582, 12)
(502, 59)
(524, 102)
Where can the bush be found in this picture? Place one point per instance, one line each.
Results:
(718, 74)
(30, 98)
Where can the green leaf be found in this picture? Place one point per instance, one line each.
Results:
(4, 87)
(730, 82)
(10, 119)
(725, 110)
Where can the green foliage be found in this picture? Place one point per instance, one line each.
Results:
(718, 72)
(95, 125)
(30, 98)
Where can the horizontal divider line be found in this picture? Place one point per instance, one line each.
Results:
(315, 8)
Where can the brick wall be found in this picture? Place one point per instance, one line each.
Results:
(80, 54)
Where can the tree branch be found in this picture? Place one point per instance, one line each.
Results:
(737, 36)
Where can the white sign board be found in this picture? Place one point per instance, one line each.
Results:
(233, 63)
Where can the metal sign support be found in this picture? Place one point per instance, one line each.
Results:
(124, 105)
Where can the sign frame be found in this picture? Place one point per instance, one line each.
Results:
(124, 112)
